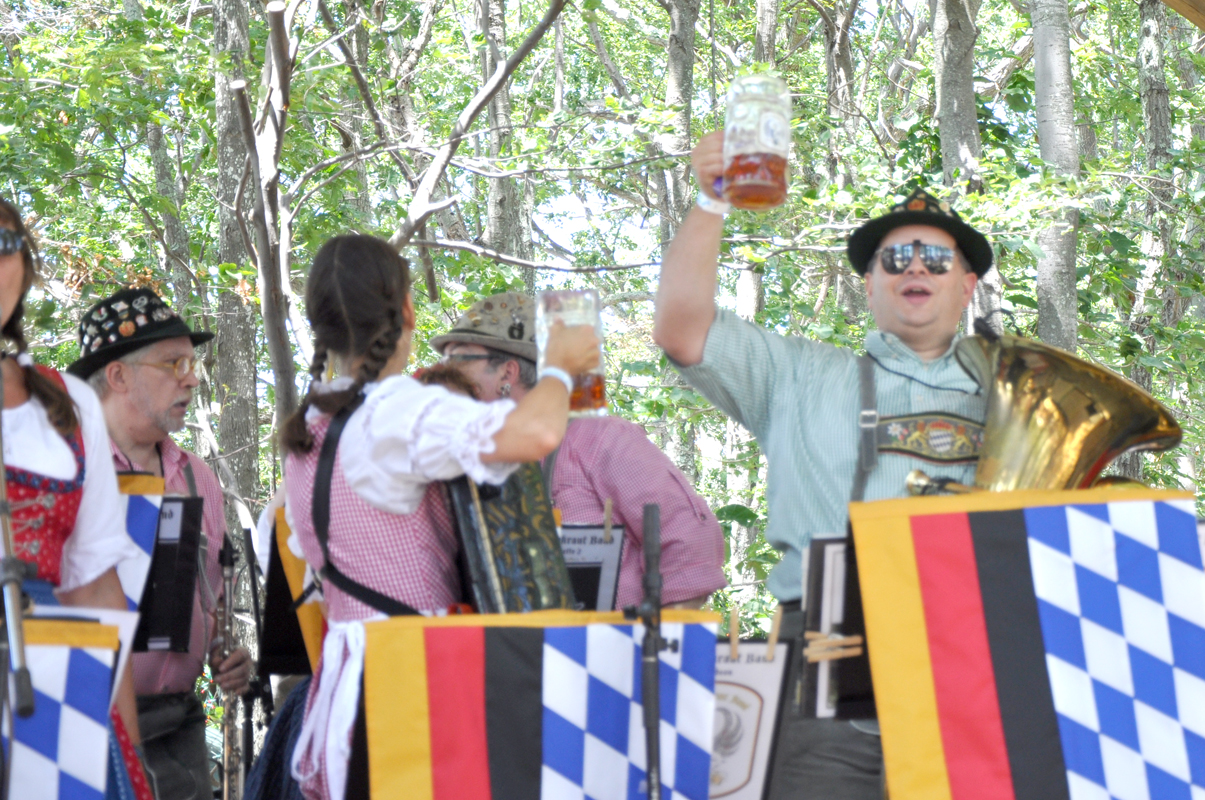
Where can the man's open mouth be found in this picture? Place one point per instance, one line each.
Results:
(916, 291)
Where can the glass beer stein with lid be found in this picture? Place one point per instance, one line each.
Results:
(757, 141)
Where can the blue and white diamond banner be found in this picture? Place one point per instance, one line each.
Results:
(1121, 597)
(594, 736)
(142, 523)
(61, 751)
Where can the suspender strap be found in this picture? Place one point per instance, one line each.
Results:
(321, 511)
(868, 424)
(549, 468)
(549, 465)
(190, 477)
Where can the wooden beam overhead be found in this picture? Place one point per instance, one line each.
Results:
(1191, 10)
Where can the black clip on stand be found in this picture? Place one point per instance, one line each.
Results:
(649, 612)
(260, 689)
(12, 649)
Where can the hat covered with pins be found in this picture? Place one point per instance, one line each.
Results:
(125, 322)
(504, 322)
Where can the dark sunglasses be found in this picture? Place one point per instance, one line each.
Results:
(936, 258)
(11, 242)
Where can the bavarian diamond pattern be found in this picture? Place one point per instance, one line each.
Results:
(594, 746)
(61, 752)
(142, 523)
(1121, 598)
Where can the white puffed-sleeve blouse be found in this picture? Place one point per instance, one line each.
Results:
(406, 435)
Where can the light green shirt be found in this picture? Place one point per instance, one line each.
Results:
(801, 399)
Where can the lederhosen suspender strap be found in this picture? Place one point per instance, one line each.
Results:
(868, 425)
(190, 477)
(548, 468)
(321, 510)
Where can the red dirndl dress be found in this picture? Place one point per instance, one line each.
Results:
(43, 517)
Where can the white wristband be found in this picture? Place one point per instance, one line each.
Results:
(712, 206)
(560, 374)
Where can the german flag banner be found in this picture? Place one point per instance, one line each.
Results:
(539, 705)
(1037, 644)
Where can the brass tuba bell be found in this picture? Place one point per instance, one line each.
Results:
(1054, 421)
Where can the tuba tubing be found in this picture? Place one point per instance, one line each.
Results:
(1054, 421)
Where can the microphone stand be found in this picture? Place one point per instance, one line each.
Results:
(12, 573)
(230, 783)
(260, 689)
(649, 612)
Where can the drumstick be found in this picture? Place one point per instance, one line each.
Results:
(734, 631)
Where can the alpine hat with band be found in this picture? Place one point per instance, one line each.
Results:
(123, 323)
(920, 208)
(504, 322)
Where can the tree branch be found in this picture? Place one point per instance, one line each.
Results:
(421, 207)
(503, 258)
(357, 75)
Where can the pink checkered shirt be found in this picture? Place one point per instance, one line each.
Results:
(168, 673)
(409, 557)
(605, 457)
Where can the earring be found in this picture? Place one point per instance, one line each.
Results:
(504, 390)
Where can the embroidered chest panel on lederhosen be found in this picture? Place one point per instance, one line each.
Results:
(939, 438)
(44, 511)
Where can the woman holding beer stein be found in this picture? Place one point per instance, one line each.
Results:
(67, 517)
(383, 531)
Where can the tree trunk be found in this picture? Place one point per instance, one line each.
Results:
(1156, 239)
(502, 224)
(177, 253)
(679, 89)
(954, 35)
(187, 294)
(985, 303)
(839, 72)
(235, 372)
(558, 89)
(351, 116)
(1057, 312)
(764, 34)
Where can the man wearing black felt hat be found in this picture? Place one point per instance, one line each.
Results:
(835, 424)
(138, 354)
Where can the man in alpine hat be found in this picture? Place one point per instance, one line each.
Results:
(138, 354)
(603, 462)
(835, 425)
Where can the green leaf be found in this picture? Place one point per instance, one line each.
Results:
(738, 513)
(1121, 243)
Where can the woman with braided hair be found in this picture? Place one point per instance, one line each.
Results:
(67, 517)
(368, 512)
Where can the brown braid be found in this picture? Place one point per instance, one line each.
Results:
(354, 298)
(295, 430)
(60, 408)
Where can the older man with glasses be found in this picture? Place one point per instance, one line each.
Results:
(605, 465)
(138, 355)
(835, 425)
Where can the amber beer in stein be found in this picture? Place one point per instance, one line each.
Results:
(575, 307)
(757, 141)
